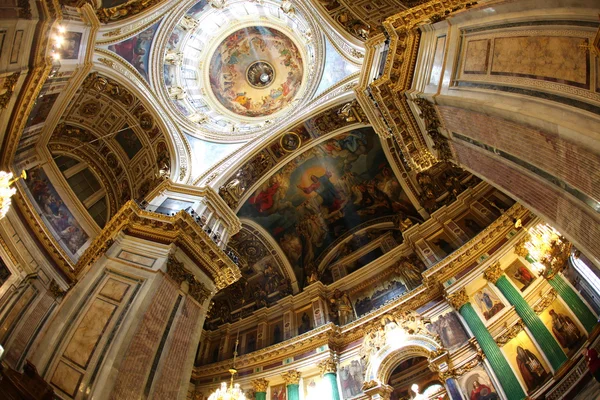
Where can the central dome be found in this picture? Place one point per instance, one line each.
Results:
(255, 71)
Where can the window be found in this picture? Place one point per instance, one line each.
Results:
(64, 163)
(84, 184)
(98, 212)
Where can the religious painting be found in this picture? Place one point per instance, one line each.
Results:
(318, 198)
(256, 71)
(195, 10)
(55, 213)
(112, 3)
(526, 361)
(450, 330)
(351, 374)
(279, 392)
(41, 108)
(129, 142)
(136, 50)
(336, 66)
(304, 321)
(276, 332)
(69, 50)
(564, 327)
(311, 388)
(378, 295)
(520, 275)
(488, 302)
(175, 38)
(477, 385)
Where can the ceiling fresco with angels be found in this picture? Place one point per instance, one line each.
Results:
(317, 200)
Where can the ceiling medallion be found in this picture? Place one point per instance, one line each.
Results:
(260, 74)
(290, 141)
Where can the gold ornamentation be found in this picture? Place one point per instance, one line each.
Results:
(127, 10)
(545, 301)
(55, 290)
(106, 61)
(327, 366)
(116, 32)
(291, 377)
(458, 299)
(510, 334)
(463, 369)
(10, 82)
(432, 124)
(520, 248)
(177, 272)
(260, 385)
(369, 385)
(493, 273)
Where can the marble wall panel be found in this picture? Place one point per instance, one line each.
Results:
(477, 56)
(114, 289)
(552, 58)
(438, 59)
(89, 331)
(15, 312)
(66, 378)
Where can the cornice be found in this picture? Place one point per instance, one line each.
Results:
(180, 230)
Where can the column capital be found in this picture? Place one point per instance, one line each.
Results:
(458, 299)
(291, 377)
(493, 272)
(260, 385)
(327, 366)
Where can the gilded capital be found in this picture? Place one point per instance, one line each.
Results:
(458, 299)
(327, 366)
(260, 385)
(291, 377)
(493, 273)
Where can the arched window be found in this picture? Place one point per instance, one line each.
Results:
(86, 187)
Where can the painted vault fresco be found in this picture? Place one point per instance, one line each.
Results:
(256, 71)
(59, 219)
(136, 50)
(324, 194)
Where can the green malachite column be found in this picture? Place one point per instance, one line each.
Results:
(542, 335)
(332, 379)
(502, 369)
(292, 379)
(293, 391)
(571, 297)
(260, 388)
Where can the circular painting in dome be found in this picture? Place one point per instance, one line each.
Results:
(256, 71)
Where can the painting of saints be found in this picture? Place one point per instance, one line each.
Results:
(352, 377)
(488, 303)
(478, 386)
(329, 195)
(531, 369)
(278, 392)
(450, 330)
(565, 331)
(520, 275)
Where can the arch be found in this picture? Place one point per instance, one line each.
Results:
(395, 339)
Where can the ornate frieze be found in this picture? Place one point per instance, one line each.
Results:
(260, 385)
(493, 272)
(510, 334)
(545, 301)
(291, 377)
(8, 88)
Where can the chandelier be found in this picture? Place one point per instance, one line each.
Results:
(6, 192)
(233, 392)
(549, 249)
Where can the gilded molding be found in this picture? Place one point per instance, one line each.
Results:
(463, 369)
(260, 385)
(126, 10)
(510, 334)
(493, 273)
(520, 249)
(9, 86)
(545, 301)
(327, 366)
(458, 299)
(291, 377)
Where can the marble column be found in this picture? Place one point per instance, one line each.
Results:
(292, 383)
(542, 335)
(260, 388)
(512, 388)
(328, 369)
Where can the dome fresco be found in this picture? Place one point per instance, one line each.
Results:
(256, 71)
